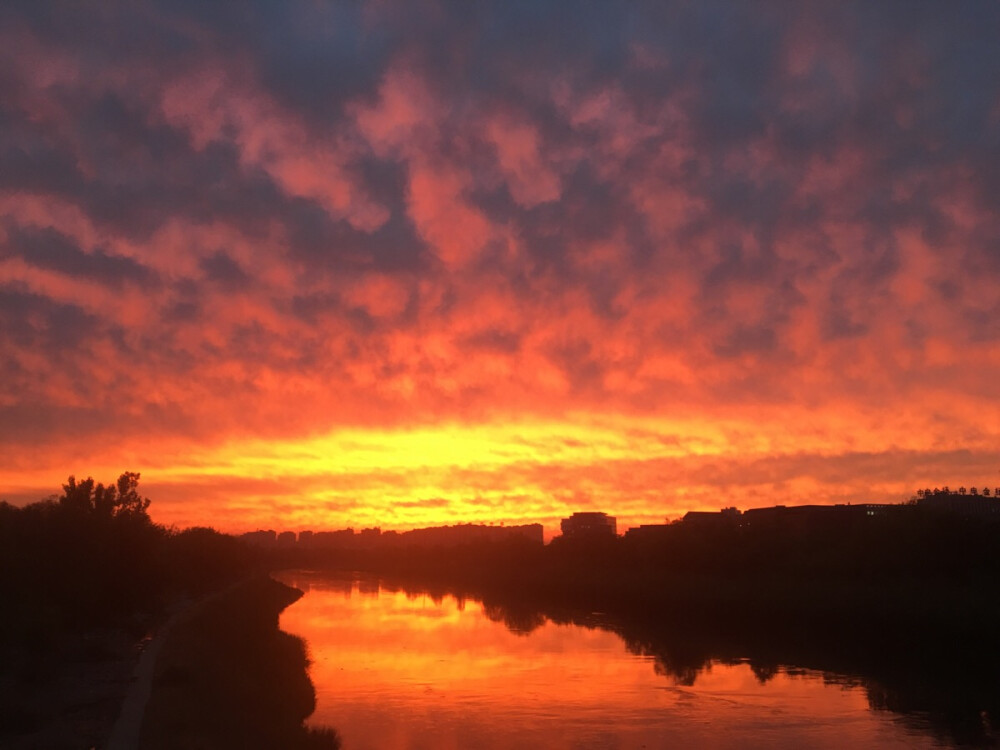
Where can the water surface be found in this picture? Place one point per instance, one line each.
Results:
(399, 671)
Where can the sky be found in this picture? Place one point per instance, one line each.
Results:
(399, 264)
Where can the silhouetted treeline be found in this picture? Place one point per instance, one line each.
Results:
(911, 571)
(85, 575)
(77, 570)
(92, 557)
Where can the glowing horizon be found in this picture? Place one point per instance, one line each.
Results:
(642, 470)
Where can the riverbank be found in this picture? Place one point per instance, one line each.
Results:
(228, 677)
(69, 694)
(86, 581)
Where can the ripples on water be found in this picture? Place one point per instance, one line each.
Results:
(396, 670)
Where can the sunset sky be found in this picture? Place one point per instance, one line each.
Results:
(397, 264)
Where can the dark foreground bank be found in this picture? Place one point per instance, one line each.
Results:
(86, 580)
(228, 677)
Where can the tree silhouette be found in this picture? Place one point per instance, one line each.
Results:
(119, 500)
(129, 502)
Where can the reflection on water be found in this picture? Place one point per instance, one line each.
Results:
(398, 670)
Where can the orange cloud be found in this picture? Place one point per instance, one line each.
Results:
(397, 270)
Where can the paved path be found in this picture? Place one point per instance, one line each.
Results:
(125, 735)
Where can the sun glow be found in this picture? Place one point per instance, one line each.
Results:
(641, 468)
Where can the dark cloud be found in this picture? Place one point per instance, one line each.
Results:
(747, 339)
(38, 422)
(51, 250)
(38, 323)
(221, 269)
(31, 154)
(505, 342)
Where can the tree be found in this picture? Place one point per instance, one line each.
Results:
(119, 500)
(78, 498)
(130, 503)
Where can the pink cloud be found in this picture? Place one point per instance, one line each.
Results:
(519, 151)
(213, 105)
(455, 230)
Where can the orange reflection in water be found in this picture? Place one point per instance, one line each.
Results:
(394, 671)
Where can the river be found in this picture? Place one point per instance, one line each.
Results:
(397, 670)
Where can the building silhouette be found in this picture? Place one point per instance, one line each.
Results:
(375, 538)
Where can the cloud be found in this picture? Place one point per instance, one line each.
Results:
(48, 249)
(229, 223)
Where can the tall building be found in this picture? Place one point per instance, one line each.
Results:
(589, 525)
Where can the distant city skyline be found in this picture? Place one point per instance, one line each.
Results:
(586, 523)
